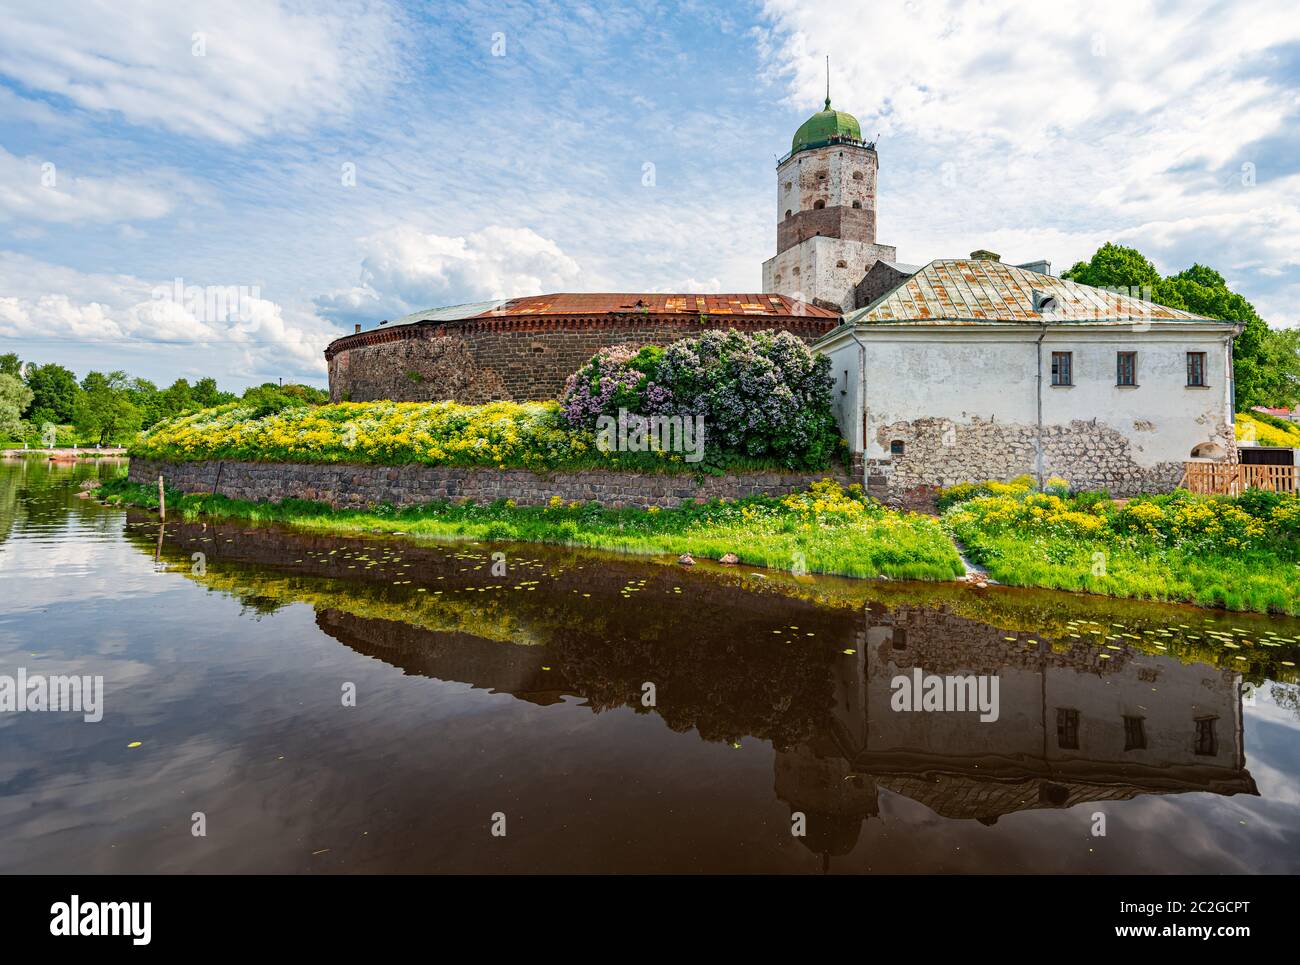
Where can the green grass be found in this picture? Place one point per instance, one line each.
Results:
(1234, 552)
(1259, 581)
(816, 533)
(868, 542)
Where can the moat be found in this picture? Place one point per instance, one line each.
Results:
(337, 704)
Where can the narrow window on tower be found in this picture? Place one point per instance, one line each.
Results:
(818, 205)
(1126, 368)
(1062, 368)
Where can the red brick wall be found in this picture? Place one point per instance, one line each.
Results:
(850, 224)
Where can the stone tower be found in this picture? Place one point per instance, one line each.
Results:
(826, 213)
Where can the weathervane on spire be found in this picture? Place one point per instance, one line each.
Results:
(828, 81)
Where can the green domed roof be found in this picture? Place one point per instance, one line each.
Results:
(824, 126)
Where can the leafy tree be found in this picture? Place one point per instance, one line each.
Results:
(14, 400)
(105, 411)
(270, 397)
(1265, 364)
(177, 398)
(145, 396)
(1281, 369)
(11, 364)
(206, 394)
(54, 393)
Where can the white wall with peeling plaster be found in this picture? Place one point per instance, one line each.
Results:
(971, 375)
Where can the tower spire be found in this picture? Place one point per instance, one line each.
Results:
(828, 81)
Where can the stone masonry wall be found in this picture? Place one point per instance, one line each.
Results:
(1088, 455)
(356, 487)
(479, 361)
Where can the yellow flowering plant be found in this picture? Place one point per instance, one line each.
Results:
(1209, 524)
(1252, 429)
(529, 435)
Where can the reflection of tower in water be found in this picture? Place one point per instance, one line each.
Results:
(1072, 728)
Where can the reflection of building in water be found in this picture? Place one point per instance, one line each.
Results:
(1072, 728)
(486, 664)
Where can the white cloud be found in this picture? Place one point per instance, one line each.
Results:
(35, 189)
(264, 66)
(44, 301)
(405, 270)
(1022, 73)
(1045, 130)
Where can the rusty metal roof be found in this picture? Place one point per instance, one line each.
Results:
(973, 292)
(607, 303)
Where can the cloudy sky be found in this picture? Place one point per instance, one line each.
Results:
(351, 161)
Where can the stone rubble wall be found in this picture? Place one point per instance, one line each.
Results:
(359, 486)
(941, 452)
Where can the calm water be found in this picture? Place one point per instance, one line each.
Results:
(522, 695)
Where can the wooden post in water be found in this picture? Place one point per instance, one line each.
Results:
(162, 499)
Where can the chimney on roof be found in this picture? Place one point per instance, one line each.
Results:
(358, 329)
(983, 254)
(1042, 266)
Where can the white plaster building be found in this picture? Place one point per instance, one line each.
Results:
(972, 370)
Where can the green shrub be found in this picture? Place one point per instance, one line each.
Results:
(762, 396)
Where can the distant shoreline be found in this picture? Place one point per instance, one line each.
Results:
(66, 453)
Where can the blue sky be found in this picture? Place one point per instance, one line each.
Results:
(349, 162)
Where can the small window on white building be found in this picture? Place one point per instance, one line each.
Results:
(1126, 368)
(1062, 368)
(1135, 734)
(896, 447)
(1067, 728)
(1196, 369)
(1207, 741)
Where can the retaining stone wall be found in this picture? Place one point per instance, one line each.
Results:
(357, 486)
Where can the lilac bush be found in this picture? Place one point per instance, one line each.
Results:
(617, 377)
(764, 396)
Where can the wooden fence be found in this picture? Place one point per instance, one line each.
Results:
(1231, 478)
